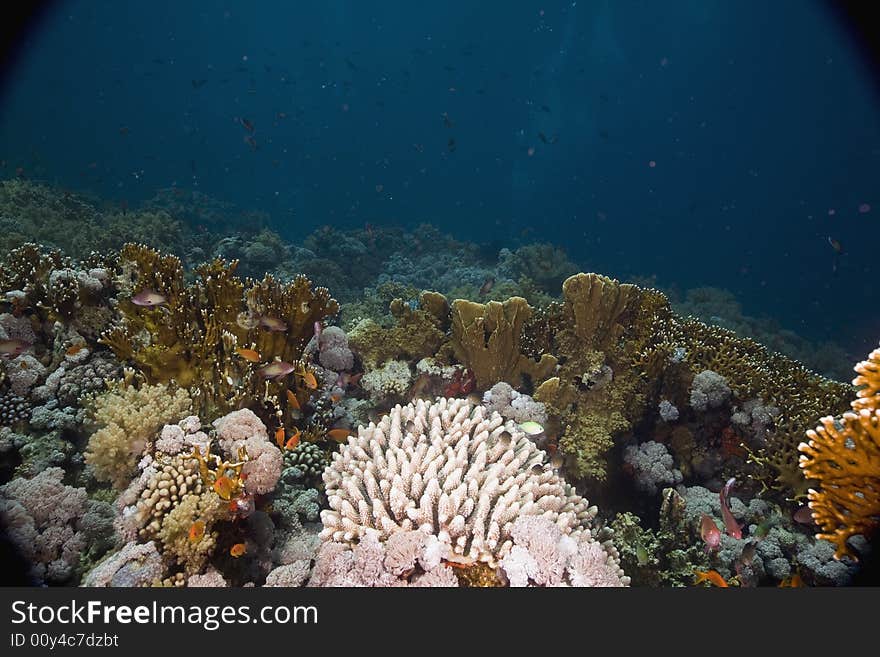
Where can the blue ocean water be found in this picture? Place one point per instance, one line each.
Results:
(702, 142)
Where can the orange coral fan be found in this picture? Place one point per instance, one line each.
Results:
(843, 455)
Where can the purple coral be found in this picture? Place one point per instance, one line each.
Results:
(334, 352)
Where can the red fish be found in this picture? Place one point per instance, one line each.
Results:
(710, 533)
(339, 435)
(149, 298)
(730, 524)
(293, 441)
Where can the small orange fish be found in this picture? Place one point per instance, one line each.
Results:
(711, 576)
(292, 401)
(249, 355)
(793, 581)
(339, 435)
(335, 397)
(196, 531)
(237, 550)
(293, 441)
(75, 349)
(309, 380)
(223, 486)
(279, 436)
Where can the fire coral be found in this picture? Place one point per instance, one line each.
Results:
(843, 457)
(192, 337)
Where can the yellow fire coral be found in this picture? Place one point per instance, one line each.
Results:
(197, 334)
(487, 338)
(599, 329)
(843, 456)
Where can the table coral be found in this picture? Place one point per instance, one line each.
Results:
(750, 371)
(841, 458)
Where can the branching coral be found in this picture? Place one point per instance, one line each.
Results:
(128, 416)
(842, 457)
(487, 339)
(452, 471)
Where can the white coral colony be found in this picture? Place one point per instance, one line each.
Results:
(452, 470)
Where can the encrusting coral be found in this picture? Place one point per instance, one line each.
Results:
(456, 473)
(841, 460)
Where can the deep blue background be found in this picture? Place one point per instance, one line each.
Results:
(760, 117)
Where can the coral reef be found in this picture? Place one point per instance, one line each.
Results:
(416, 333)
(596, 393)
(652, 466)
(53, 525)
(512, 405)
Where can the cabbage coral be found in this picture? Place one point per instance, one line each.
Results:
(843, 456)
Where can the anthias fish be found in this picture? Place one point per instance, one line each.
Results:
(711, 576)
(149, 298)
(710, 533)
(275, 369)
(730, 524)
(13, 347)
